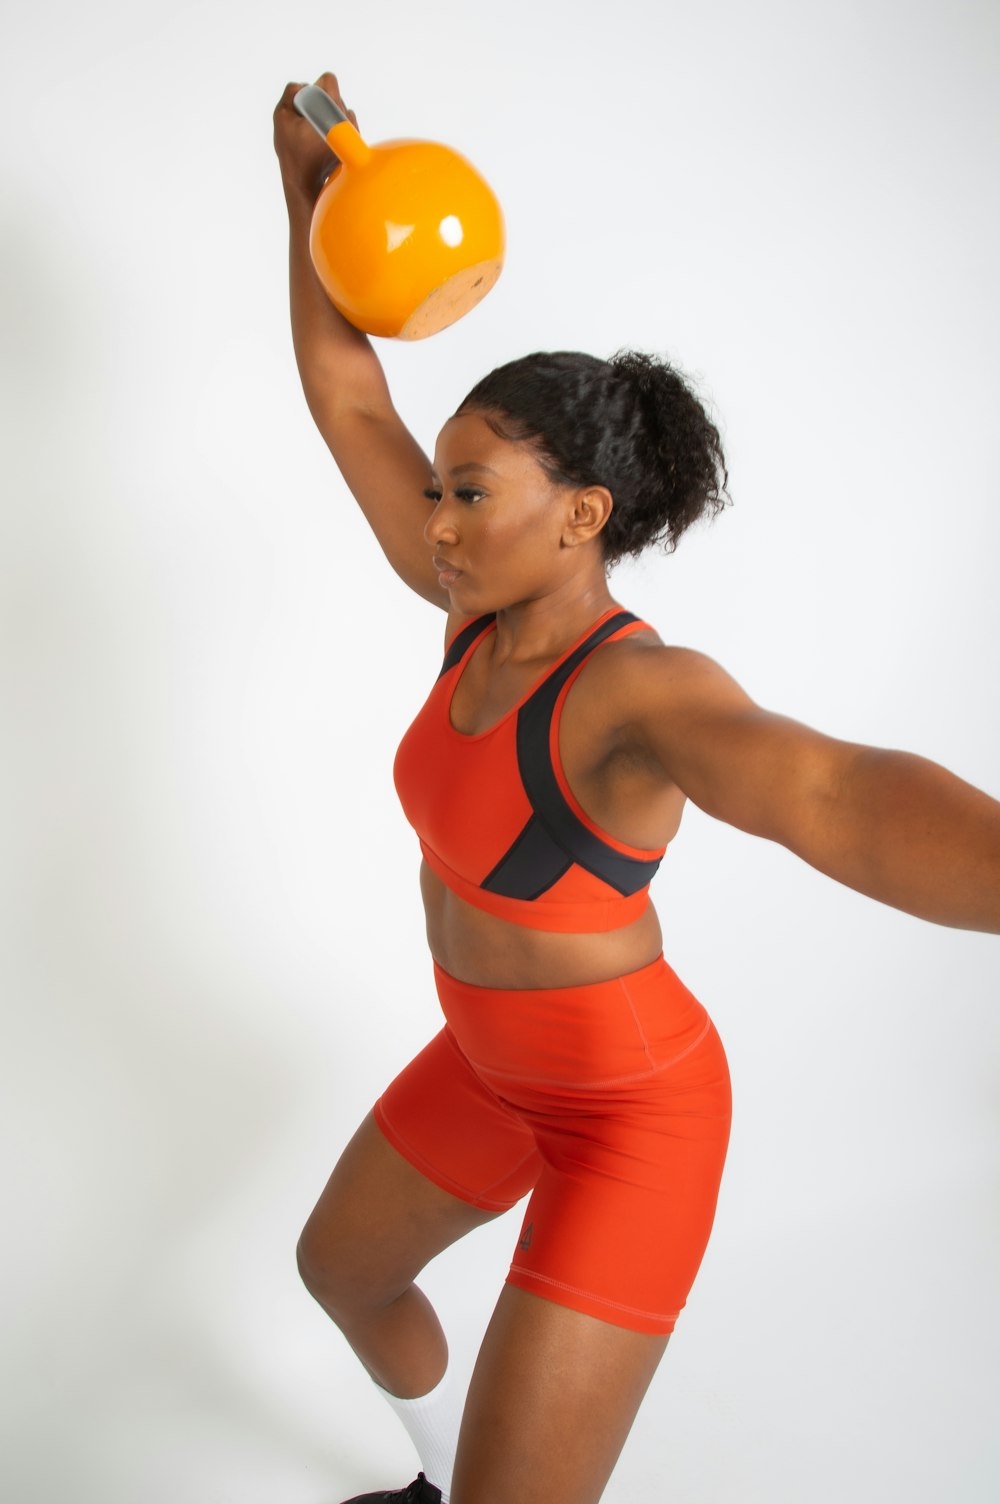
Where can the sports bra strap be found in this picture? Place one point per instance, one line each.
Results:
(461, 641)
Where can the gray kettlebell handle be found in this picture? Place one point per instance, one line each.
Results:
(316, 106)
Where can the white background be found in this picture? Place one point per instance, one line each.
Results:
(213, 954)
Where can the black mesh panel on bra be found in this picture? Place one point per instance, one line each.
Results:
(554, 838)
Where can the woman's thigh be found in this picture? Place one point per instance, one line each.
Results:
(437, 1157)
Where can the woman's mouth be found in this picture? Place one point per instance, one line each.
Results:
(446, 574)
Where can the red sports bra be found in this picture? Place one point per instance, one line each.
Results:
(495, 816)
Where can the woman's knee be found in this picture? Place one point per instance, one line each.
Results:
(378, 1222)
(339, 1272)
(313, 1257)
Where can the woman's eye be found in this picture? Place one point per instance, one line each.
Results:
(464, 493)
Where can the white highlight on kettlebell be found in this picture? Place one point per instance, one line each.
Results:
(396, 234)
(450, 230)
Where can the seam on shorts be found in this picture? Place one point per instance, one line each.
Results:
(441, 1178)
(590, 1085)
(614, 1305)
(635, 1019)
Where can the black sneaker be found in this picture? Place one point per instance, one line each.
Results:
(419, 1492)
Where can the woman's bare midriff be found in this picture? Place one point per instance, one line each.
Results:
(477, 947)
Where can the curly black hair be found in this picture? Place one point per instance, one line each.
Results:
(631, 423)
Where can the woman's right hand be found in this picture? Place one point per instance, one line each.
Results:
(303, 156)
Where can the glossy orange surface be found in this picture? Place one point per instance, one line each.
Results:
(406, 236)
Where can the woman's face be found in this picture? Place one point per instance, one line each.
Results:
(499, 519)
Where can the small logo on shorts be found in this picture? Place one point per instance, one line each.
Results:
(525, 1239)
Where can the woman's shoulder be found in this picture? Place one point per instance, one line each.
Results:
(643, 651)
(641, 674)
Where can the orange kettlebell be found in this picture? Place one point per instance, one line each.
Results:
(406, 236)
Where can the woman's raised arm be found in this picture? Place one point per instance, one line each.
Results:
(342, 377)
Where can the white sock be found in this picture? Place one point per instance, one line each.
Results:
(432, 1421)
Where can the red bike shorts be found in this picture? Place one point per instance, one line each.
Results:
(609, 1102)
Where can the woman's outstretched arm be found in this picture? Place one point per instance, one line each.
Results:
(892, 825)
(342, 377)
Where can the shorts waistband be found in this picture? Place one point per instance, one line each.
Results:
(580, 1037)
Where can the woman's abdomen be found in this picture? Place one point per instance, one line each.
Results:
(486, 951)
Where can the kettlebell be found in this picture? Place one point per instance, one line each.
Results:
(406, 236)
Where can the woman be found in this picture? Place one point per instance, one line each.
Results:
(545, 776)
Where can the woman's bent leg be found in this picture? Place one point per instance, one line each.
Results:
(438, 1156)
(376, 1225)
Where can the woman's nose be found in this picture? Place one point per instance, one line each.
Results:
(439, 526)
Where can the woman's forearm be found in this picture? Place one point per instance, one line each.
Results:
(906, 831)
(336, 362)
